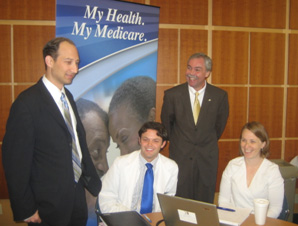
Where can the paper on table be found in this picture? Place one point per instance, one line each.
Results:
(233, 218)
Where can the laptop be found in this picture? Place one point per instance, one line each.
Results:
(179, 211)
(131, 218)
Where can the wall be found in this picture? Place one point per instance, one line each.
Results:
(253, 45)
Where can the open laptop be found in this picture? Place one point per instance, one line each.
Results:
(131, 218)
(179, 211)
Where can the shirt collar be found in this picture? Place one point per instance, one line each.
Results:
(144, 161)
(54, 90)
(193, 91)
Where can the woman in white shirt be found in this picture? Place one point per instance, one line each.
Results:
(252, 175)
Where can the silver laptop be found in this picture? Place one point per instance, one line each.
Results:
(179, 211)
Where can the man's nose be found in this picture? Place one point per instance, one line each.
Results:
(75, 68)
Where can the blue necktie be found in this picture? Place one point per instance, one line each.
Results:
(147, 194)
(76, 163)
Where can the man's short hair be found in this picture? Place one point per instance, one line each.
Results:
(137, 92)
(84, 106)
(52, 47)
(158, 127)
(207, 60)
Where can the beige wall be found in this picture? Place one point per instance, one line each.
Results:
(6, 218)
(253, 44)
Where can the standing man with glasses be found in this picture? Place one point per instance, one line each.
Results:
(45, 156)
(195, 114)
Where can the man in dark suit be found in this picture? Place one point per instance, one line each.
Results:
(38, 147)
(193, 138)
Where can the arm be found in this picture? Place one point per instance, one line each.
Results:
(222, 116)
(225, 191)
(89, 176)
(165, 179)
(17, 151)
(172, 184)
(275, 193)
(167, 113)
(108, 198)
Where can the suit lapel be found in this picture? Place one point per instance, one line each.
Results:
(206, 103)
(50, 104)
(185, 99)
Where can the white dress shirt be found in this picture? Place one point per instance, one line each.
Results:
(192, 94)
(120, 184)
(267, 183)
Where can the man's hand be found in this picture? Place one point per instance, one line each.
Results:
(34, 219)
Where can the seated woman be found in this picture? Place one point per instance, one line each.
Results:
(252, 176)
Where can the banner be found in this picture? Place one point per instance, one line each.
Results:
(116, 84)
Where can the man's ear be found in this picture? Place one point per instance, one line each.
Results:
(151, 115)
(208, 74)
(49, 61)
(163, 144)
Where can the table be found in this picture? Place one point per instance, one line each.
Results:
(250, 221)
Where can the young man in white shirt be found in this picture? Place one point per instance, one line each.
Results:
(123, 183)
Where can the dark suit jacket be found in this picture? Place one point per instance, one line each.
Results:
(37, 158)
(195, 147)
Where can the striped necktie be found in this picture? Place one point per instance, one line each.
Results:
(196, 108)
(75, 156)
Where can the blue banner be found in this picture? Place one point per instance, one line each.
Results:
(117, 43)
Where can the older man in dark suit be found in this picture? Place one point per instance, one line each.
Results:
(45, 155)
(195, 114)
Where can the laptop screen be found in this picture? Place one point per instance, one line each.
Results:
(179, 211)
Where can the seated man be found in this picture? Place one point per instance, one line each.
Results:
(122, 185)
